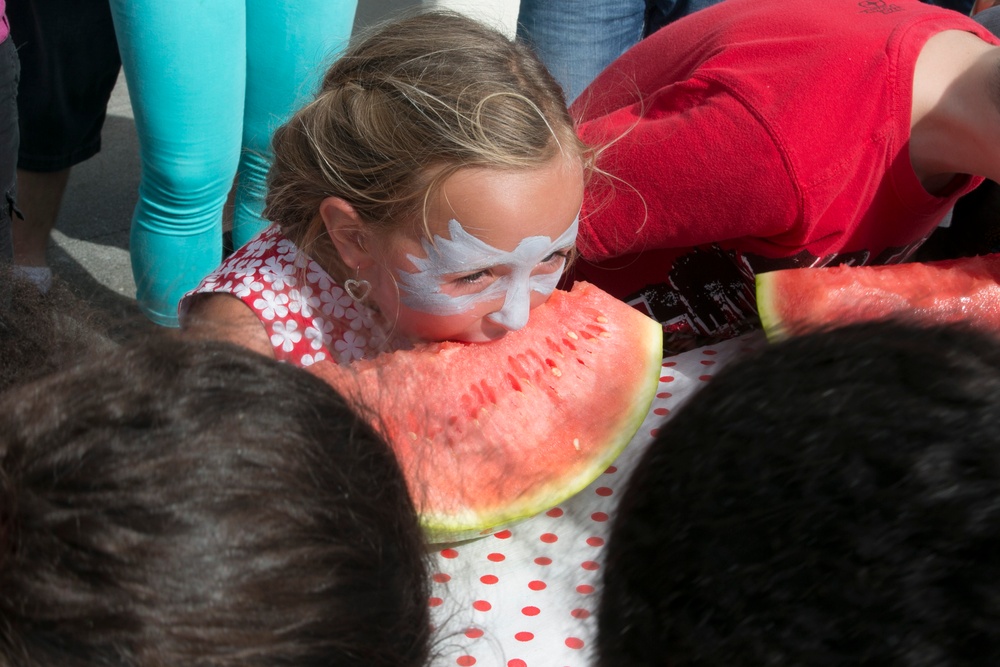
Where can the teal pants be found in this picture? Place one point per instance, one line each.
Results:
(210, 81)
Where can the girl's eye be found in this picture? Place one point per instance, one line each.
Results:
(560, 255)
(472, 278)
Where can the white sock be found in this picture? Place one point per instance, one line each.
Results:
(40, 276)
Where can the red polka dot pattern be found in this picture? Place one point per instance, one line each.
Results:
(525, 596)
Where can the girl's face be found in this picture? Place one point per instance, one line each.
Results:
(500, 241)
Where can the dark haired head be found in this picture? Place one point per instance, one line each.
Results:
(834, 500)
(196, 504)
(39, 333)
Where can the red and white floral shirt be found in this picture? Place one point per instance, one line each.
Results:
(307, 315)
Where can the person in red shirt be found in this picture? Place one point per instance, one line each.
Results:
(754, 135)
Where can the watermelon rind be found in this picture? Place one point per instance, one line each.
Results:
(770, 317)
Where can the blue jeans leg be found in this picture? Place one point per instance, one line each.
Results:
(661, 12)
(576, 39)
(9, 73)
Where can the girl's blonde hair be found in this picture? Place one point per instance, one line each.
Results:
(400, 112)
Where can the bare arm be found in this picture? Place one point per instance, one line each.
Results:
(224, 317)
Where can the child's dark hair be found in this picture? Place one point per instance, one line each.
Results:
(185, 503)
(40, 333)
(834, 500)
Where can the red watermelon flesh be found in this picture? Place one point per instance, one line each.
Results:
(492, 433)
(793, 301)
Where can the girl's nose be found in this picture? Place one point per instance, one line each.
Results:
(513, 315)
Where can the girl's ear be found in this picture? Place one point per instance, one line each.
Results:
(347, 231)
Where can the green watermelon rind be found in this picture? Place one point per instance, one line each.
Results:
(770, 318)
(451, 527)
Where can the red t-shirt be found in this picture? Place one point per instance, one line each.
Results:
(752, 135)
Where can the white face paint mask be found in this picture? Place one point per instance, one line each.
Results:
(463, 253)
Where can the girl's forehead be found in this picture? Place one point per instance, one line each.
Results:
(503, 207)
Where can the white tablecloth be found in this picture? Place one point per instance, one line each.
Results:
(525, 597)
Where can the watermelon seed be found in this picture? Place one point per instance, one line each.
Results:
(572, 335)
(556, 372)
(576, 444)
(413, 436)
(602, 319)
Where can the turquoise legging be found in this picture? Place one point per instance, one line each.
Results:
(210, 80)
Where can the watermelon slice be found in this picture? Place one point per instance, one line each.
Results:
(793, 301)
(492, 433)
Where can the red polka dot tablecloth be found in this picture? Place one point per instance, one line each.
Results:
(526, 596)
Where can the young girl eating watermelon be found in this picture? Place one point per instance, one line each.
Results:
(427, 193)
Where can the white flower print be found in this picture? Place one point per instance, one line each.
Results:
(279, 274)
(271, 304)
(310, 359)
(336, 301)
(303, 300)
(353, 316)
(366, 316)
(319, 334)
(249, 285)
(350, 347)
(285, 334)
(257, 247)
(285, 246)
(246, 267)
(301, 260)
(318, 277)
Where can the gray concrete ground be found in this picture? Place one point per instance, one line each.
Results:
(89, 249)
